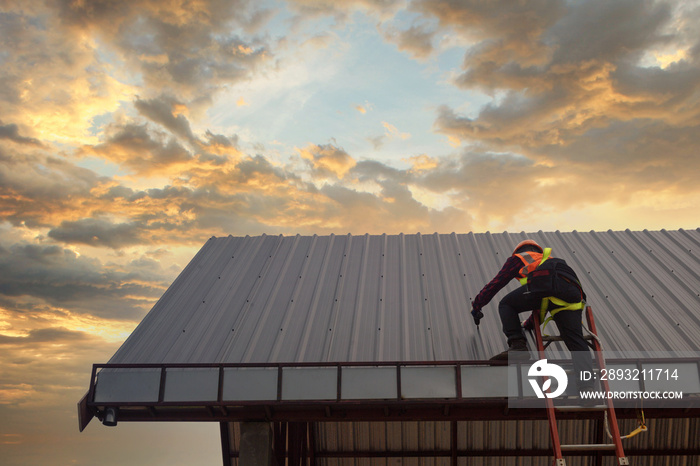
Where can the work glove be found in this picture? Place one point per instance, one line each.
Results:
(529, 323)
(477, 315)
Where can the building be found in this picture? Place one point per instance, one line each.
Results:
(343, 350)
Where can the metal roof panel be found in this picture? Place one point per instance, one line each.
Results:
(406, 297)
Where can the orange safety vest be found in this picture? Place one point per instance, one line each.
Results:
(531, 259)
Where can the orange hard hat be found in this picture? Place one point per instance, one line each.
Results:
(527, 242)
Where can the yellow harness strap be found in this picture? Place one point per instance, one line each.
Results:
(563, 306)
(546, 253)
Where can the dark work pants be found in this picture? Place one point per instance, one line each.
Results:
(568, 323)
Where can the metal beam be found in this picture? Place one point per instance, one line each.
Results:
(339, 397)
(498, 452)
(675, 452)
(365, 412)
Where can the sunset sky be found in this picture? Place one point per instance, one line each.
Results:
(132, 131)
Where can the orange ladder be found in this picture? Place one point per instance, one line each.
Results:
(609, 408)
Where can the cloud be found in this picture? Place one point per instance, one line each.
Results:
(376, 141)
(572, 93)
(141, 149)
(553, 106)
(240, 195)
(364, 107)
(191, 48)
(162, 110)
(68, 63)
(63, 279)
(319, 41)
(503, 31)
(341, 10)
(644, 155)
(43, 335)
(98, 232)
(38, 189)
(11, 132)
(392, 132)
(423, 163)
(605, 31)
(375, 214)
(417, 40)
(484, 190)
(372, 170)
(220, 144)
(76, 206)
(47, 104)
(200, 59)
(391, 207)
(44, 359)
(164, 144)
(327, 160)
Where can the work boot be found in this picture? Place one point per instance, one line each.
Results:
(517, 350)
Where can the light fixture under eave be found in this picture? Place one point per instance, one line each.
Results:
(110, 417)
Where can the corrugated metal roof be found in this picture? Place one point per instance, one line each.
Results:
(406, 297)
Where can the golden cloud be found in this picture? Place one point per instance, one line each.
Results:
(423, 162)
(327, 159)
(392, 132)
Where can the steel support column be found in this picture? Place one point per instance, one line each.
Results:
(453, 442)
(280, 442)
(297, 450)
(256, 444)
(225, 443)
(312, 443)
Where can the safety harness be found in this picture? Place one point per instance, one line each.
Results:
(564, 306)
(532, 263)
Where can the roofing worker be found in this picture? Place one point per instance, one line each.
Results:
(564, 301)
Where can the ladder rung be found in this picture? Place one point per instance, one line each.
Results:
(558, 338)
(589, 447)
(570, 409)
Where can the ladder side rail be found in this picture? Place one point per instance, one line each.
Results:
(612, 418)
(549, 403)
